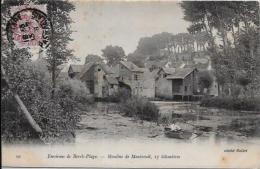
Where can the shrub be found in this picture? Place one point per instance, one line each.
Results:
(57, 116)
(76, 90)
(250, 104)
(205, 80)
(141, 108)
(120, 96)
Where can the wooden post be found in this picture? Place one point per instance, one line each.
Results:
(24, 110)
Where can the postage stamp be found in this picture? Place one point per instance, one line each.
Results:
(29, 27)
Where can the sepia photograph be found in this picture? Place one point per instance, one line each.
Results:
(129, 84)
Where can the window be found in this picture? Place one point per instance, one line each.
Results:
(136, 77)
(185, 88)
(99, 69)
(111, 86)
(164, 75)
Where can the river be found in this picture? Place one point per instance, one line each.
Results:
(105, 122)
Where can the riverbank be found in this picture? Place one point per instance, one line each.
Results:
(104, 121)
(248, 104)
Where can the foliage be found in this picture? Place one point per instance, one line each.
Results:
(137, 58)
(57, 117)
(141, 108)
(250, 104)
(113, 54)
(164, 45)
(76, 90)
(121, 95)
(205, 80)
(232, 54)
(93, 58)
(58, 53)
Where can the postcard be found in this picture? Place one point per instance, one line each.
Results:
(130, 84)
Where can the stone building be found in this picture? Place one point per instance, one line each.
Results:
(149, 83)
(74, 70)
(176, 83)
(163, 87)
(98, 78)
(131, 75)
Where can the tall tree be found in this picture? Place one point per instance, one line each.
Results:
(93, 58)
(113, 54)
(58, 53)
(220, 19)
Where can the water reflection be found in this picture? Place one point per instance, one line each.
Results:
(217, 125)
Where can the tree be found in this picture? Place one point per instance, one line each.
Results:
(220, 19)
(93, 58)
(58, 52)
(148, 46)
(33, 86)
(113, 54)
(137, 58)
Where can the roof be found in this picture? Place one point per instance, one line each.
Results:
(111, 79)
(76, 68)
(201, 60)
(169, 70)
(200, 66)
(87, 66)
(157, 63)
(85, 69)
(131, 66)
(180, 73)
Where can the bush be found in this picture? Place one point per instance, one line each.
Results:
(205, 80)
(250, 104)
(120, 96)
(57, 116)
(141, 108)
(76, 90)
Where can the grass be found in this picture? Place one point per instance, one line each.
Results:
(248, 104)
(140, 107)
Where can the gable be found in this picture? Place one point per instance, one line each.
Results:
(75, 68)
(181, 73)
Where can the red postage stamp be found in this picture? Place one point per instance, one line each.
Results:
(29, 27)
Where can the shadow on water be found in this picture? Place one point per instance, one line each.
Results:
(211, 123)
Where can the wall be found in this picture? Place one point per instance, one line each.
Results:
(137, 83)
(191, 82)
(148, 85)
(163, 87)
(99, 81)
(125, 74)
(111, 90)
(213, 90)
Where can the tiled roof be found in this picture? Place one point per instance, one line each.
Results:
(87, 66)
(111, 79)
(199, 66)
(169, 70)
(150, 63)
(85, 69)
(76, 68)
(180, 73)
(131, 66)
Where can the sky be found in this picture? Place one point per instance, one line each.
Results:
(98, 24)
